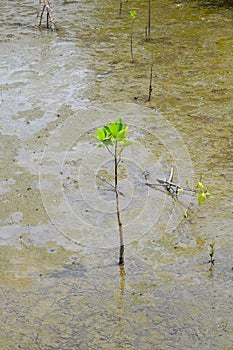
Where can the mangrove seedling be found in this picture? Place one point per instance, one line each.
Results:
(211, 253)
(113, 136)
(133, 15)
(202, 193)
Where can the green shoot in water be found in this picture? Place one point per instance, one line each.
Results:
(114, 136)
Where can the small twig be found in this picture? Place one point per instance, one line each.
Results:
(171, 175)
(172, 184)
(108, 183)
(109, 150)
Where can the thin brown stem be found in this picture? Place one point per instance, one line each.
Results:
(150, 85)
(148, 27)
(47, 7)
(121, 253)
(120, 9)
(41, 16)
(131, 42)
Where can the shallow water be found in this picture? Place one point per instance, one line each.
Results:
(61, 287)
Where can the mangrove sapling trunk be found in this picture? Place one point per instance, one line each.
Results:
(121, 253)
(114, 135)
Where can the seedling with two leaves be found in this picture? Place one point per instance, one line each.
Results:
(202, 193)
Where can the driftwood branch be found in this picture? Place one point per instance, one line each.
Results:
(169, 185)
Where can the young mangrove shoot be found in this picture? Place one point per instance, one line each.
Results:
(113, 138)
(202, 193)
(211, 253)
(133, 15)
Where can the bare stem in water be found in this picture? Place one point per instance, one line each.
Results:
(48, 8)
(151, 78)
(121, 253)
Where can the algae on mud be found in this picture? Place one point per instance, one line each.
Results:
(58, 294)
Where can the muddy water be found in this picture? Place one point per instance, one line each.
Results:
(60, 285)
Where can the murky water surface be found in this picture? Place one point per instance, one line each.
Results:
(61, 287)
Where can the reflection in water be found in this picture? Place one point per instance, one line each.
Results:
(121, 319)
(122, 290)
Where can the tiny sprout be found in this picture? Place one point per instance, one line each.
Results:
(211, 252)
(202, 193)
(185, 213)
(133, 14)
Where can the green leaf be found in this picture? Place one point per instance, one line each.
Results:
(108, 131)
(133, 14)
(97, 138)
(201, 198)
(200, 186)
(119, 124)
(121, 134)
(113, 129)
(101, 134)
(185, 213)
(108, 142)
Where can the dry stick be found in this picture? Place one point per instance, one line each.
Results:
(42, 12)
(46, 6)
(171, 175)
(151, 77)
(131, 47)
(120, 10)
(121, 254)
(169, 184)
